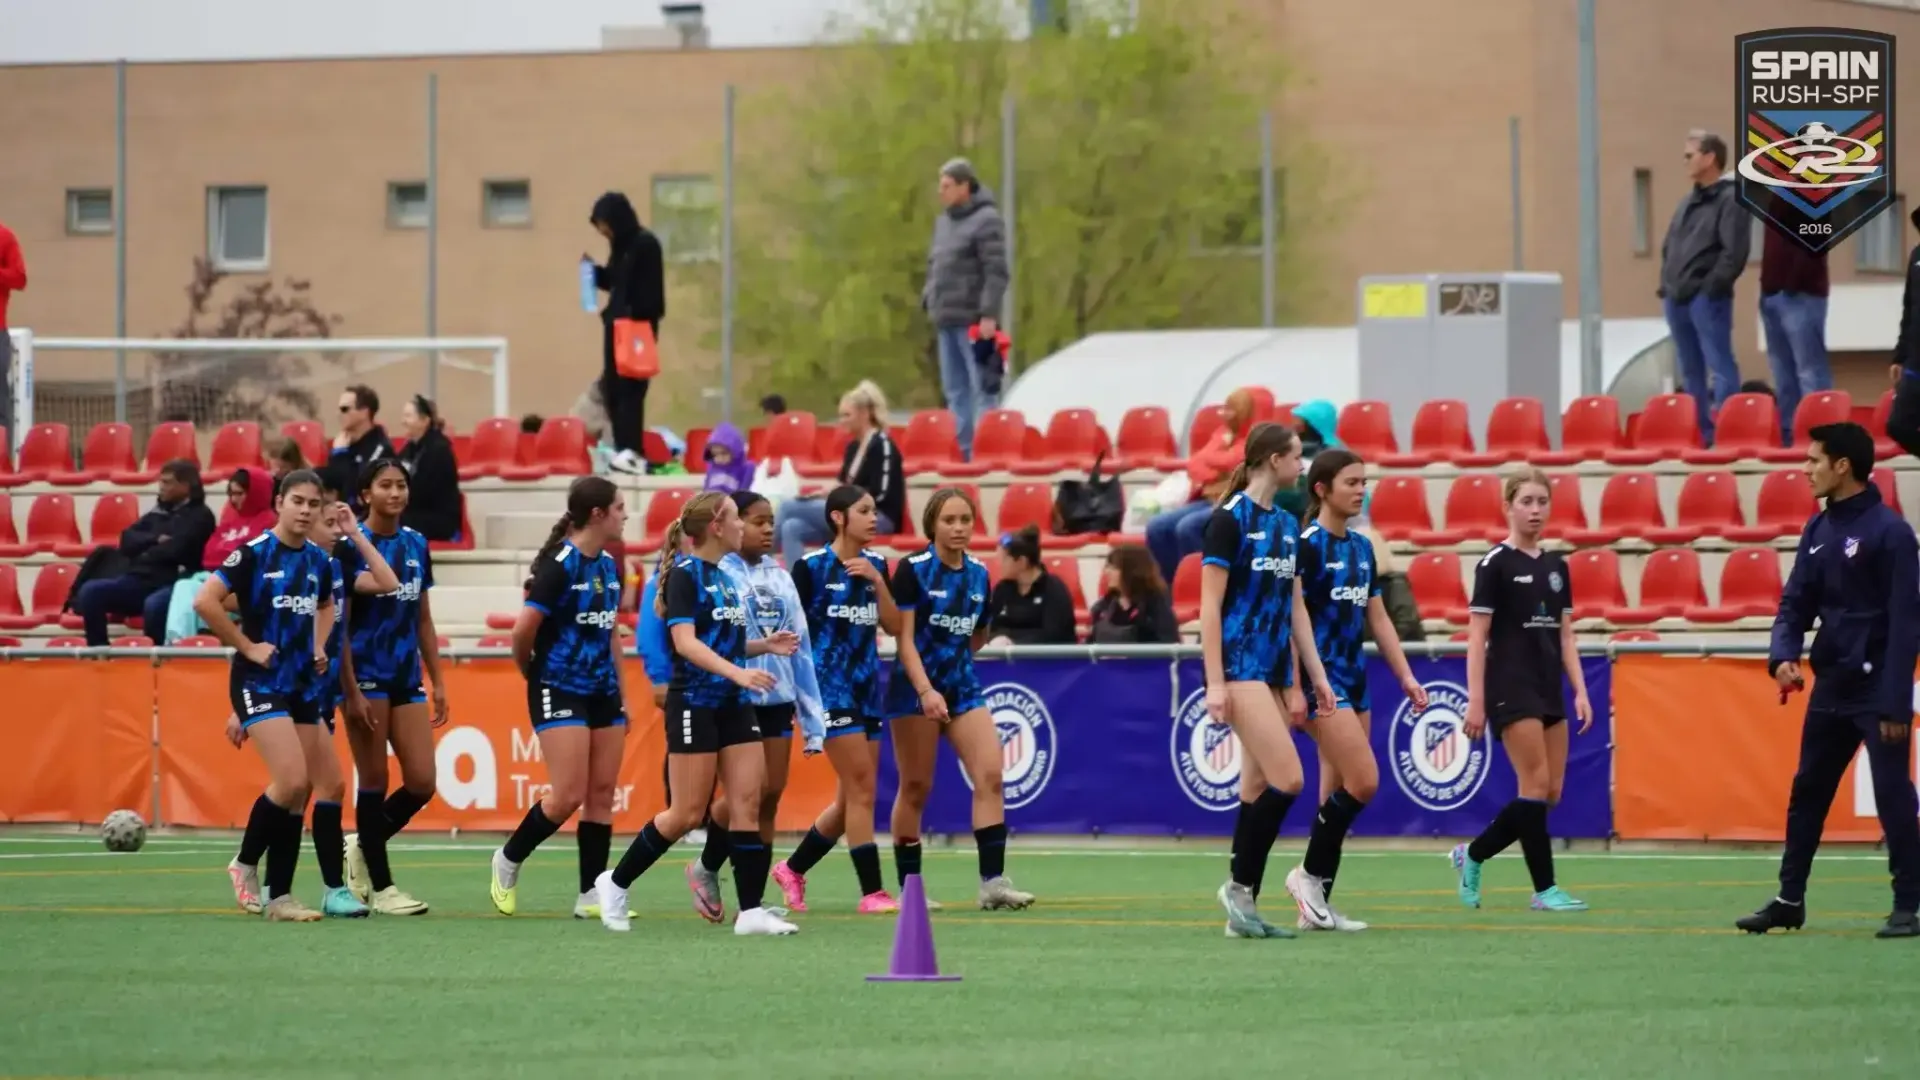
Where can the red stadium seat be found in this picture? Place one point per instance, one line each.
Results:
(1074, 439)
(1441, 432)
(133, 641)
(1749, 588)
(502, 620)
(791, 435)
(1823, 407)
(6, 451)
(1569, 505)
(310, 437)
(1399, 508)
(1668, 428)
(1207, 420)
(50, 590)
(51, 527)
(1884, 448)
(1595, 581)
(1669, 588)
(1367, 429)
(1629, 507)
(663, 508)
(1634, 635)
(1031, 503)
(198, 641)
(1748, 426)
(1709, 506)
(1067, 569)
(560, 449)
(696, 456)
(932, 441)
(1474, 511)
(111, 516)
(109, 449)
(65, 641)
(1784, 505)
(47, 449)
(494, 449)
(654, 448)
(1887, 481)
(495, 641)
(1437, 589)
(169, 442)
(829, 450)
(999, 440)
(9, 536)
(1516, 431)
(1145, 441)
(1186, 589)
(10, 614)
(235, 446)
(1589, 430)
(462, 542)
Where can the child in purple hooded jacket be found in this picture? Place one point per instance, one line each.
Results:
(728, 469)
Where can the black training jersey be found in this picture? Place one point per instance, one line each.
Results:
(278, 590)
(704, 596)
(1526, 596)
(948, 604)
(580, 598)
(386, 628)
(843, 620)
(1337, 581)
(1258, 546)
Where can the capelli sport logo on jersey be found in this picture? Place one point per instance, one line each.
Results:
(1282, 567)
(407, 593)
(298, 605)
(1356, 594)
(1206, 756)
(730, 613)
(857, 614)
(1432, 759)
(957, 625)
(599, 620)
(1026, 742)
(1814, 152)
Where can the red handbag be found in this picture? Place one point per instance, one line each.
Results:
(636, 355)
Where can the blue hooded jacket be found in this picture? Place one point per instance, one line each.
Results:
(772, 606)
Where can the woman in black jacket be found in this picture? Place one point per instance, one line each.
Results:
(1133, 608)
(634, 280)
(433, 476)
(871, 462)
(1029, 606)
(160, 549)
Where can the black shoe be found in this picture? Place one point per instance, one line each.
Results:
(1900, 924)
(1777, 915)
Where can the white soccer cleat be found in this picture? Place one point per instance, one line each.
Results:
(246, 886)
(391, 901)
(588, 906)
(1340, 923)
(1309, 895)
(613, 903)
(359, 882)
(761, 922)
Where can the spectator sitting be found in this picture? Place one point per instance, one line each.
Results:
(1029, 606)
(166, 542)
(1315, 420)
(772, 405)
(1134, 608)
(433, 476)
(728, 469)
(360, 440)
(1174, 533)
(871, 462)
(248, 513)
(530, 423)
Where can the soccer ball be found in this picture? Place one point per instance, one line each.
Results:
(1815, 134)
(123, 830)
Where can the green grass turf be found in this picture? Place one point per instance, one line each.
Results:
(137, 965)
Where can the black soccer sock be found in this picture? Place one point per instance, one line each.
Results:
(645, 850)
(1329, 836)
(714, 855)
(1499, 834)
(533, 830)
(401, 806)
(813, 847)
(906, 859)
(283, 852)
(866, 867)
(992, 843)
(328, 849)
(1266, 812)
(595, 839)
(261, 822)
(370, 818)
(751, 858)
(1535, 844)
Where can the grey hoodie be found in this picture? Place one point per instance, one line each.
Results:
(1706, 246)
(967, 265)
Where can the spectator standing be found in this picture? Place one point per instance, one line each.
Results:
(1175, 533)
(1793, 307)
(871, 462)
(1903, 424)
(635, 282)
(1029, 606)
(728, 468)
(361, 439)
(967, 279)
(1703, 255)
(1134, 608)
(13, 278)
(433, 474)
(248, 513)
(164, 544)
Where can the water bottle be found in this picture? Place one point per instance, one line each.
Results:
(589, 298)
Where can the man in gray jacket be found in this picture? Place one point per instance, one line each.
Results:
(966, 282)
(1703, 255)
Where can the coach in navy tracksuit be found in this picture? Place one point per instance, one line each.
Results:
(1858, 573)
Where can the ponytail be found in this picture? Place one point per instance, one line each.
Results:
(1236, 483)
(669, 551)
(1313, 507)
(554, 539)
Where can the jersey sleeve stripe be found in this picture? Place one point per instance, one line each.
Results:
(1485, 610)
(680, 622)
(1219, 562)
(541, 608)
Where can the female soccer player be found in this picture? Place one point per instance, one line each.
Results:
(393, 637)
(707, 721)
(282, 586)
(564, 643)
(843, 590)
(1519, 643)
(1342, 594)
(942, 596)
(1253, 624)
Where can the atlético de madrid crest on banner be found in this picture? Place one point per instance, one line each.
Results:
(1813, 149)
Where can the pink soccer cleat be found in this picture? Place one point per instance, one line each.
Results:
(878, 903)
(793, 887)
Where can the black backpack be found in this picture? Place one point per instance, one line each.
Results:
(1093, 505)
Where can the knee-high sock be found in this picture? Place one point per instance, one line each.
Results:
(1330, 828)
(328, 849)
(370, 819)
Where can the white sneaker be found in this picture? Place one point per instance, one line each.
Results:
(1340, 923)
(627, 461)
(762, 922)
(588, 906)
(1310, 896)
(359, 882)
(613, 903)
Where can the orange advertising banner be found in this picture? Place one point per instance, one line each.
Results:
(1704, 750)
(76, 738)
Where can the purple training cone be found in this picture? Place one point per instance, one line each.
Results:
(913, 958)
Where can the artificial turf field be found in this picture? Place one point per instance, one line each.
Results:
(138, 965)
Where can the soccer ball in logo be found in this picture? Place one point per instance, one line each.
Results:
(123, 830)
(1815, 134)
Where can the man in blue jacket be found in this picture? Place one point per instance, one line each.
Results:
(1858, 573)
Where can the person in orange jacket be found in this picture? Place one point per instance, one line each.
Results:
(1175, 533)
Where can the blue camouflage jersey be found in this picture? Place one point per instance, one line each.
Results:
(323, 689)
(702, 595)
(843, 617)
(772, 606)
(1337, 581)
(948, 604)
(580, 598)
(1258, 547)
(278, 590)
(386, 628)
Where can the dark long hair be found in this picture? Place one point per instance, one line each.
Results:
(1139, 575)
(370, 474)
(839, 501)
(1327, 466)
(1264, 440)
(584, 496)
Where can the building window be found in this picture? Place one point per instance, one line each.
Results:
(507, 204)
(1877, 247)
(1643, 211)
(686, 217)
(406, 205)
(1756, 237)
(237, 228)
(89, 212)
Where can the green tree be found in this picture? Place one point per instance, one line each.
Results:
(1137, 157)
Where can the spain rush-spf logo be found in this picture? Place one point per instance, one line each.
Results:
(1814, 153)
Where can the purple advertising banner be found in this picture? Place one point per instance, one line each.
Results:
(1125, 746)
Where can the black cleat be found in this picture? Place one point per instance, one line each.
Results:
(1777, 915)
(1900, 924)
